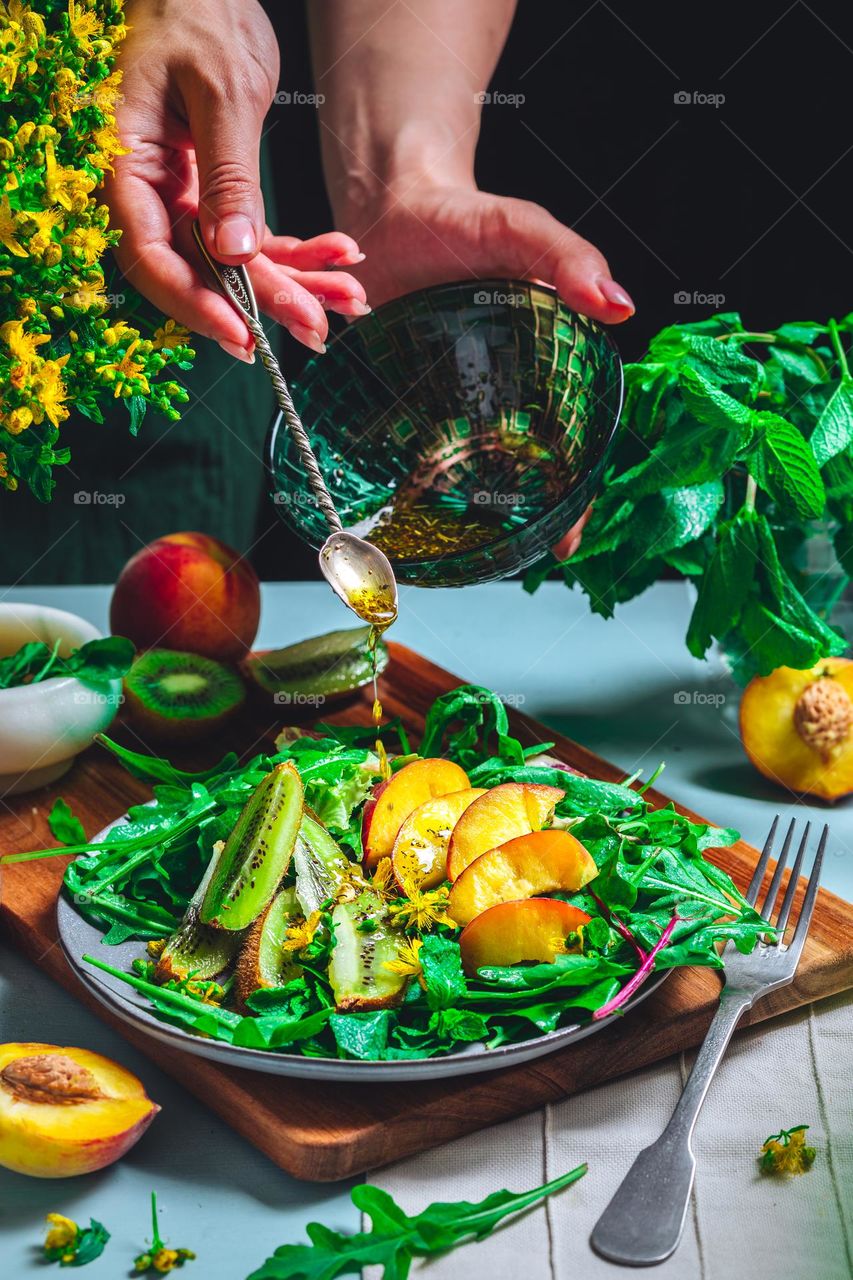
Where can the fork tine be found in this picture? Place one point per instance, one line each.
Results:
(809, 900)
(755, 882)
(773, 892)
(788, 900)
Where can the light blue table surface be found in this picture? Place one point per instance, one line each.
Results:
(626, 688)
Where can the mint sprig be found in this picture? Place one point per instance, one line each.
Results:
(732, 442)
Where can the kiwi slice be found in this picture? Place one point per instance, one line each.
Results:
(180, 696)
(257, 853)
(322, 868)
(357, 967)
(263, 962)
(325, 666)
(197, 950)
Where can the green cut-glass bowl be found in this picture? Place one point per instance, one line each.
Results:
(489, 399)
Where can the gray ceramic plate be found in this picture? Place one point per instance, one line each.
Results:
(79, 938)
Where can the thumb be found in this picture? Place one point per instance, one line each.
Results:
(226, 135)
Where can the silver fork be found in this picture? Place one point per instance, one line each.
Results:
(644, 1221)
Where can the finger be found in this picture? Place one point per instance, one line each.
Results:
(289, 303)
(545, 248)
(226, 133)
(149, 256)
(333, 249)
(571, 541)
(335, 290)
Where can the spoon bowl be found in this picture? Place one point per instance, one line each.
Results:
(362, 576)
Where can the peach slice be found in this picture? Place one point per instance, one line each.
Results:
(67, 1111)
(423, 838)
(393, 801)
(510, 810)
(522, 868)
(516, 931)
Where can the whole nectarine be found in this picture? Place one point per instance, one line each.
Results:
(67, 1111)
(191, 592)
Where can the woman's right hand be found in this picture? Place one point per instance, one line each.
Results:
(198, 80)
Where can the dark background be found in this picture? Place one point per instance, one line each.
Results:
(750, 199)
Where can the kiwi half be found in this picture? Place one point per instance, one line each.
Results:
(357, 971)
(263, 962)
(197, 950)
(180, 696)
(257, 853)
(326, 666)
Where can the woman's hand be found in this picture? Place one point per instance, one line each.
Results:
(426, 232)
(198, 81)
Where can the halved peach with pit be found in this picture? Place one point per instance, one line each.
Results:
(393, 801)
(420, 850)
(511, 932)
(67, 1111)
(525, 867)
(797, 727)
(510, 810)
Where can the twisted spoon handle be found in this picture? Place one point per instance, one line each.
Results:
(294, 425)
(234, 283)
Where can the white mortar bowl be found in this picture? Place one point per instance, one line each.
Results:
(44, 726)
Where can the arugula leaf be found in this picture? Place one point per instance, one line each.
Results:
(101, 661)
(64, 826)
(395, 1237)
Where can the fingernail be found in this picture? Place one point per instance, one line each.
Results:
(235, 235)
(615, 294)
(359, 308)
(310, 337)
(347, 259)
(238, 352)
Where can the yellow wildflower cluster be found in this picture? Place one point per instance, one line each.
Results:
(787, 1152)
(420, 909)
(60, 350)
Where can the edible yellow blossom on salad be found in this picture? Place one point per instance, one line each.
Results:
(301, 935)
(71, 1245)
(408, 963)
(61, 1232)
(420, 909)
(59, 88)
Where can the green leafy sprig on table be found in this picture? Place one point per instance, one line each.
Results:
(395, 1238)
(732, 442)
(655, 904)
(94, 664)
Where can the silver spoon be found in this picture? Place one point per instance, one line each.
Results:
(356, 571)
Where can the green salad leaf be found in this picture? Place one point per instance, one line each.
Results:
(395, 1238)
(95, 663)
(67, 828)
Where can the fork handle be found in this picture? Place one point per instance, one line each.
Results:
(643, 1223)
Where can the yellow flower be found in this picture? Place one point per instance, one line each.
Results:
(22, 345)
(64, 185)
(44, 221)
(121, 371)
(88, 242)
(18, 420)
(569, 946)
(49, 392)
(421, 909)
(786, 1152)
(300, 936)
(62, 1231)
(84, 25)
(156, 947)
(7, 226)
(383, 878)
(408, 962)
(169, 335)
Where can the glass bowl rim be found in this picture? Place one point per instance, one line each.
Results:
(504, 540)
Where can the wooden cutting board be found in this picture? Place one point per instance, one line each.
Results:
(324, 1132)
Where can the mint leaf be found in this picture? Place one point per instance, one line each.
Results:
(441, 962)
(833, 433)
(726, 582)
(64, 826)
(787, 467)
